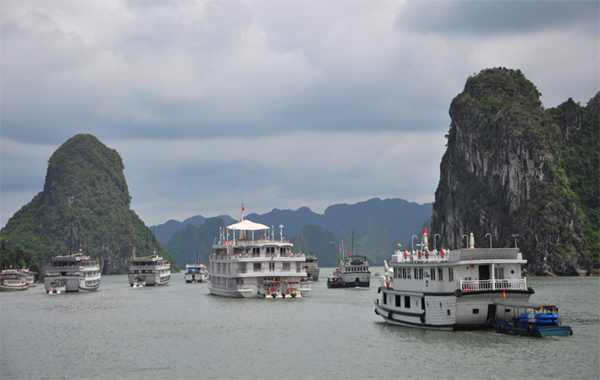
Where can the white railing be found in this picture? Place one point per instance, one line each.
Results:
(421, 256)
(498, 284)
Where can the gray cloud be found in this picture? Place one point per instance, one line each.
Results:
(485, 18)
(274, 103)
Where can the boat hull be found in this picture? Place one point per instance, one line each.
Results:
(523, 329)
(450, 311)
(149, 279)
(71, 282)
(192, 278)
(344, 284)
(9, 288)
(313, 273)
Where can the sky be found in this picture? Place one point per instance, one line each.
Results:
(273, 104)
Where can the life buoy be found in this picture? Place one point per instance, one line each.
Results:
(419, 253)
(268, 293)
(427, 254)
(442, 253)
(405, 254)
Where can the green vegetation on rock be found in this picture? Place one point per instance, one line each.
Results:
(85, 203)
(512, 167)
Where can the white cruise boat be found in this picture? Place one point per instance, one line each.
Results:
(450, 289)
(29, 276)
(12, 279)
(77, 272)
(148, 271)
(195, 273)
(353, 271)
(255, 264)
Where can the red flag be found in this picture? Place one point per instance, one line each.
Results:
(424, 228)
(243, 208)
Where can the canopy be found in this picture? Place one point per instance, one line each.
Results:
(246, 225)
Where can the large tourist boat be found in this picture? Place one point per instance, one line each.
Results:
(77, 272)
(252, 262)
(148, 271)
(195, 273)
(450, 289)
(12, 279)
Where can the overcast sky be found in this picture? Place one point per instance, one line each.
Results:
(274, 104)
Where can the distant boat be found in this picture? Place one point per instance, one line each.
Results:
(352, 272)
(78, 272)
(11, 279)
(148, 271)
(29, 276)
(311, 266)
(195, 273)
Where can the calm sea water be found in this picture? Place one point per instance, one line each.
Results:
(181, 332)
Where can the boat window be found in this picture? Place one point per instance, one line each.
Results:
(433, 274)
(398, 300)
(440, 274)
(384, 298)
(499, 273)
(475, 311)
(407, 302)
(450, 274)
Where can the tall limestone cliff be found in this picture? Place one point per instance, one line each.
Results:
(521, 174)
(85, 203)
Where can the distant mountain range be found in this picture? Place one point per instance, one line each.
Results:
(377, 225)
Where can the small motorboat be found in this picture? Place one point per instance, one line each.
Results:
(527, 319)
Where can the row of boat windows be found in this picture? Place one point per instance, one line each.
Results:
(90, 273)
(162, 271)
(398, 301)
(418, 273)
(356, 269)
(151, 263)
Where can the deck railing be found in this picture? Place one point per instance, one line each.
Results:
(498, 284)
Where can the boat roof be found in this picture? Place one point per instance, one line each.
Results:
(246, 225)
(536, 306)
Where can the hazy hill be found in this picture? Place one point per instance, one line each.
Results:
(85, 202)
(379, 225)
(512, 167)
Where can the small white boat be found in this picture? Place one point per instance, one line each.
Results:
(138, 282)
(57, 286)
(195, 273)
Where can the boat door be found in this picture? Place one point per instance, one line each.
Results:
(484, 272)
